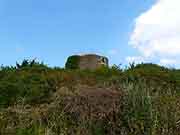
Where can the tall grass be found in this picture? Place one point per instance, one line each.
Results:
(147, 113)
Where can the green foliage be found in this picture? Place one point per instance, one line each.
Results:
(30, 102)
(148, 113)
(34, 130)
(72, 62)
(30, 63)
(105, 71)
(28, 81)
(137, 112)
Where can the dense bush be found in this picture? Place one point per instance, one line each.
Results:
(28, 81)
(35, 99)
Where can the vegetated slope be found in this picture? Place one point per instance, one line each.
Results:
(140, 100)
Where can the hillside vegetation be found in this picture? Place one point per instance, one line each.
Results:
(142, 99)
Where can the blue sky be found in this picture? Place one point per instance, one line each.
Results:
(51, 30)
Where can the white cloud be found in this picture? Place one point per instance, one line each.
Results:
(168, 62)
(157, 31)
(136, 59)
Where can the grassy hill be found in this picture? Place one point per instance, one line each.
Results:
(38, 100)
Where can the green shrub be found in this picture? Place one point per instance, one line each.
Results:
(137, 111)
(35, 129)
(149, 101)
(30, 63)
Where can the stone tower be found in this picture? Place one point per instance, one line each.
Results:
(91, 61)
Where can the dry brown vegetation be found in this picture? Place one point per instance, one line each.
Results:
(141, 100)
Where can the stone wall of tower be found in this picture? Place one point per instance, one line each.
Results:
(92, 61)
